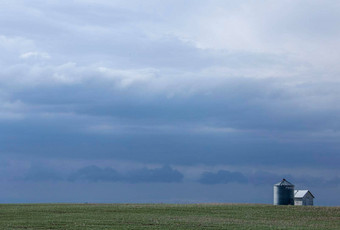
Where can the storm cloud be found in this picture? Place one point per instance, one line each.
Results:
(228, 91)
(158, 175)
(94, 174)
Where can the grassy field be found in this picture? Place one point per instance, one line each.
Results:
(166, 216)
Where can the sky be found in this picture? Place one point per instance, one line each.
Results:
(189, 101)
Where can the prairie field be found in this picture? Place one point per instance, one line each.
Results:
(166, 216)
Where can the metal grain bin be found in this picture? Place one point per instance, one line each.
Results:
(284, 193)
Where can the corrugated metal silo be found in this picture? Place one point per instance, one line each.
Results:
(284, 193)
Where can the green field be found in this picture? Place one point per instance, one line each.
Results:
(166, 216)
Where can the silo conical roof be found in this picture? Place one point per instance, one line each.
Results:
(284, 182)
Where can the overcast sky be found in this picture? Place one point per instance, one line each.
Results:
(168, 101)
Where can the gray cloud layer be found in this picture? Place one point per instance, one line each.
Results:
(94, 173)
(167, 174)
(202, 83)
(265, 178)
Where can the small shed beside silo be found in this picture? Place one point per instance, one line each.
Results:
(284, 193)
(303, 197)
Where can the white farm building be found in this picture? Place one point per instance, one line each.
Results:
(303, 197)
